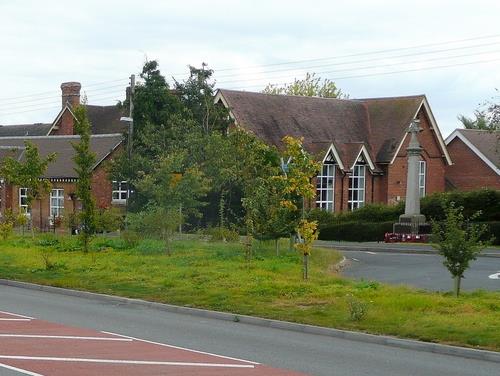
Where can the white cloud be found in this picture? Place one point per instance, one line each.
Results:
(46, 43)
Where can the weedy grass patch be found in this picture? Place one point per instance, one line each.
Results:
(218, 276)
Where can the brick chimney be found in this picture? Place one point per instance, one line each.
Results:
(71, 93)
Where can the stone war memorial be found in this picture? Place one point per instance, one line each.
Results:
(412, 225)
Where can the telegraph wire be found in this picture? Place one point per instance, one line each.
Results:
(378, 74)
(368, 67)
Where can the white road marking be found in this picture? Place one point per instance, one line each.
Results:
(180, 348)
(4, 319)
(355, 259)
(370, 253)
(121, 361)
(64, 337)
(17, 315)
(495, 276)
(20, 370)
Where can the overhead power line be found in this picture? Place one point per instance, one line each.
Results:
(367, 67)
(420, 53)
(378, 74)
(361, 53)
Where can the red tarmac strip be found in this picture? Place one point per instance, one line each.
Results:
(35, 347)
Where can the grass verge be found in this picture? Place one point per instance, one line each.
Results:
(217, 276)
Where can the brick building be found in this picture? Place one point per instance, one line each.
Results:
(58, 136)
(361, 143)
(476, 159)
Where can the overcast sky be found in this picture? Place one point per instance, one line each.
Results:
(359, 44)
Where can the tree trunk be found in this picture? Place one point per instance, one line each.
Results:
(277, 246)
(292, 241)
(306, 266)
(457, 285)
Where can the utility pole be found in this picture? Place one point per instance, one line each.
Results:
(130, 121)
(131, 116)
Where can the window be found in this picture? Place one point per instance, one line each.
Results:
(23, 200)
(357, 186)
(421, 178)
(325, 187)
(56, 202)
(120, 191)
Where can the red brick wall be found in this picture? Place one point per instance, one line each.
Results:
(468, 171)
(432, 154)
(101, 187)
(65, 125)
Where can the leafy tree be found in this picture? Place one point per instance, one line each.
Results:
(308, 233)
(310, 86)
(458, 240)
(486, 117)
(197, 94)
(174, 192)
(85, 161)
(29, 174)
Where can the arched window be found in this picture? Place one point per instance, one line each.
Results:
(325, 184)
(357, 185)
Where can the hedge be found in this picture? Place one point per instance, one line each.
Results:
(370, 231)
(356, 231)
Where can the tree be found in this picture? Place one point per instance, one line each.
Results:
(197, 94)
(85, 162)
(486, 117)
(310, 86)
(29, 174)
(174, 192)
(458, 240)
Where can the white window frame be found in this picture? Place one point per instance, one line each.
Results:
(422, 171)
(23, 194)
(357, 186)
(325, 193)
(56, 202)
(119, 195)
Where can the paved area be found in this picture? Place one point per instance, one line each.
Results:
(418, 248)
(307, 353)
(36, 347)
(420, 270)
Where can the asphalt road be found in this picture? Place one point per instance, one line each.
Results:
(419, 270)
(313, 354)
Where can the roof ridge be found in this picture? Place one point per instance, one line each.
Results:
(59, 137)
(290, 96)
(392, 97)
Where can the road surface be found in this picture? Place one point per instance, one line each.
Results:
(311, 354)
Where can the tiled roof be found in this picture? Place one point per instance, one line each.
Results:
(63, 166)
(21, 130)
(377, 123)
(487, 142)
(106, 119)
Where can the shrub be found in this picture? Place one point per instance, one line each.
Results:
(109, 220)
(357, 308)
(487, 201)
(6, 229)
(356, 231)
(218, 234)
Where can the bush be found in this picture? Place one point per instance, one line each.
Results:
(6, 229)
(218, 234)
(368, 213)
(356, 231)
(493, 230)
(485, 200)
(357, 308)
(109, 220)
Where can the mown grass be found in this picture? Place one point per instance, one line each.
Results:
(217, 276)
